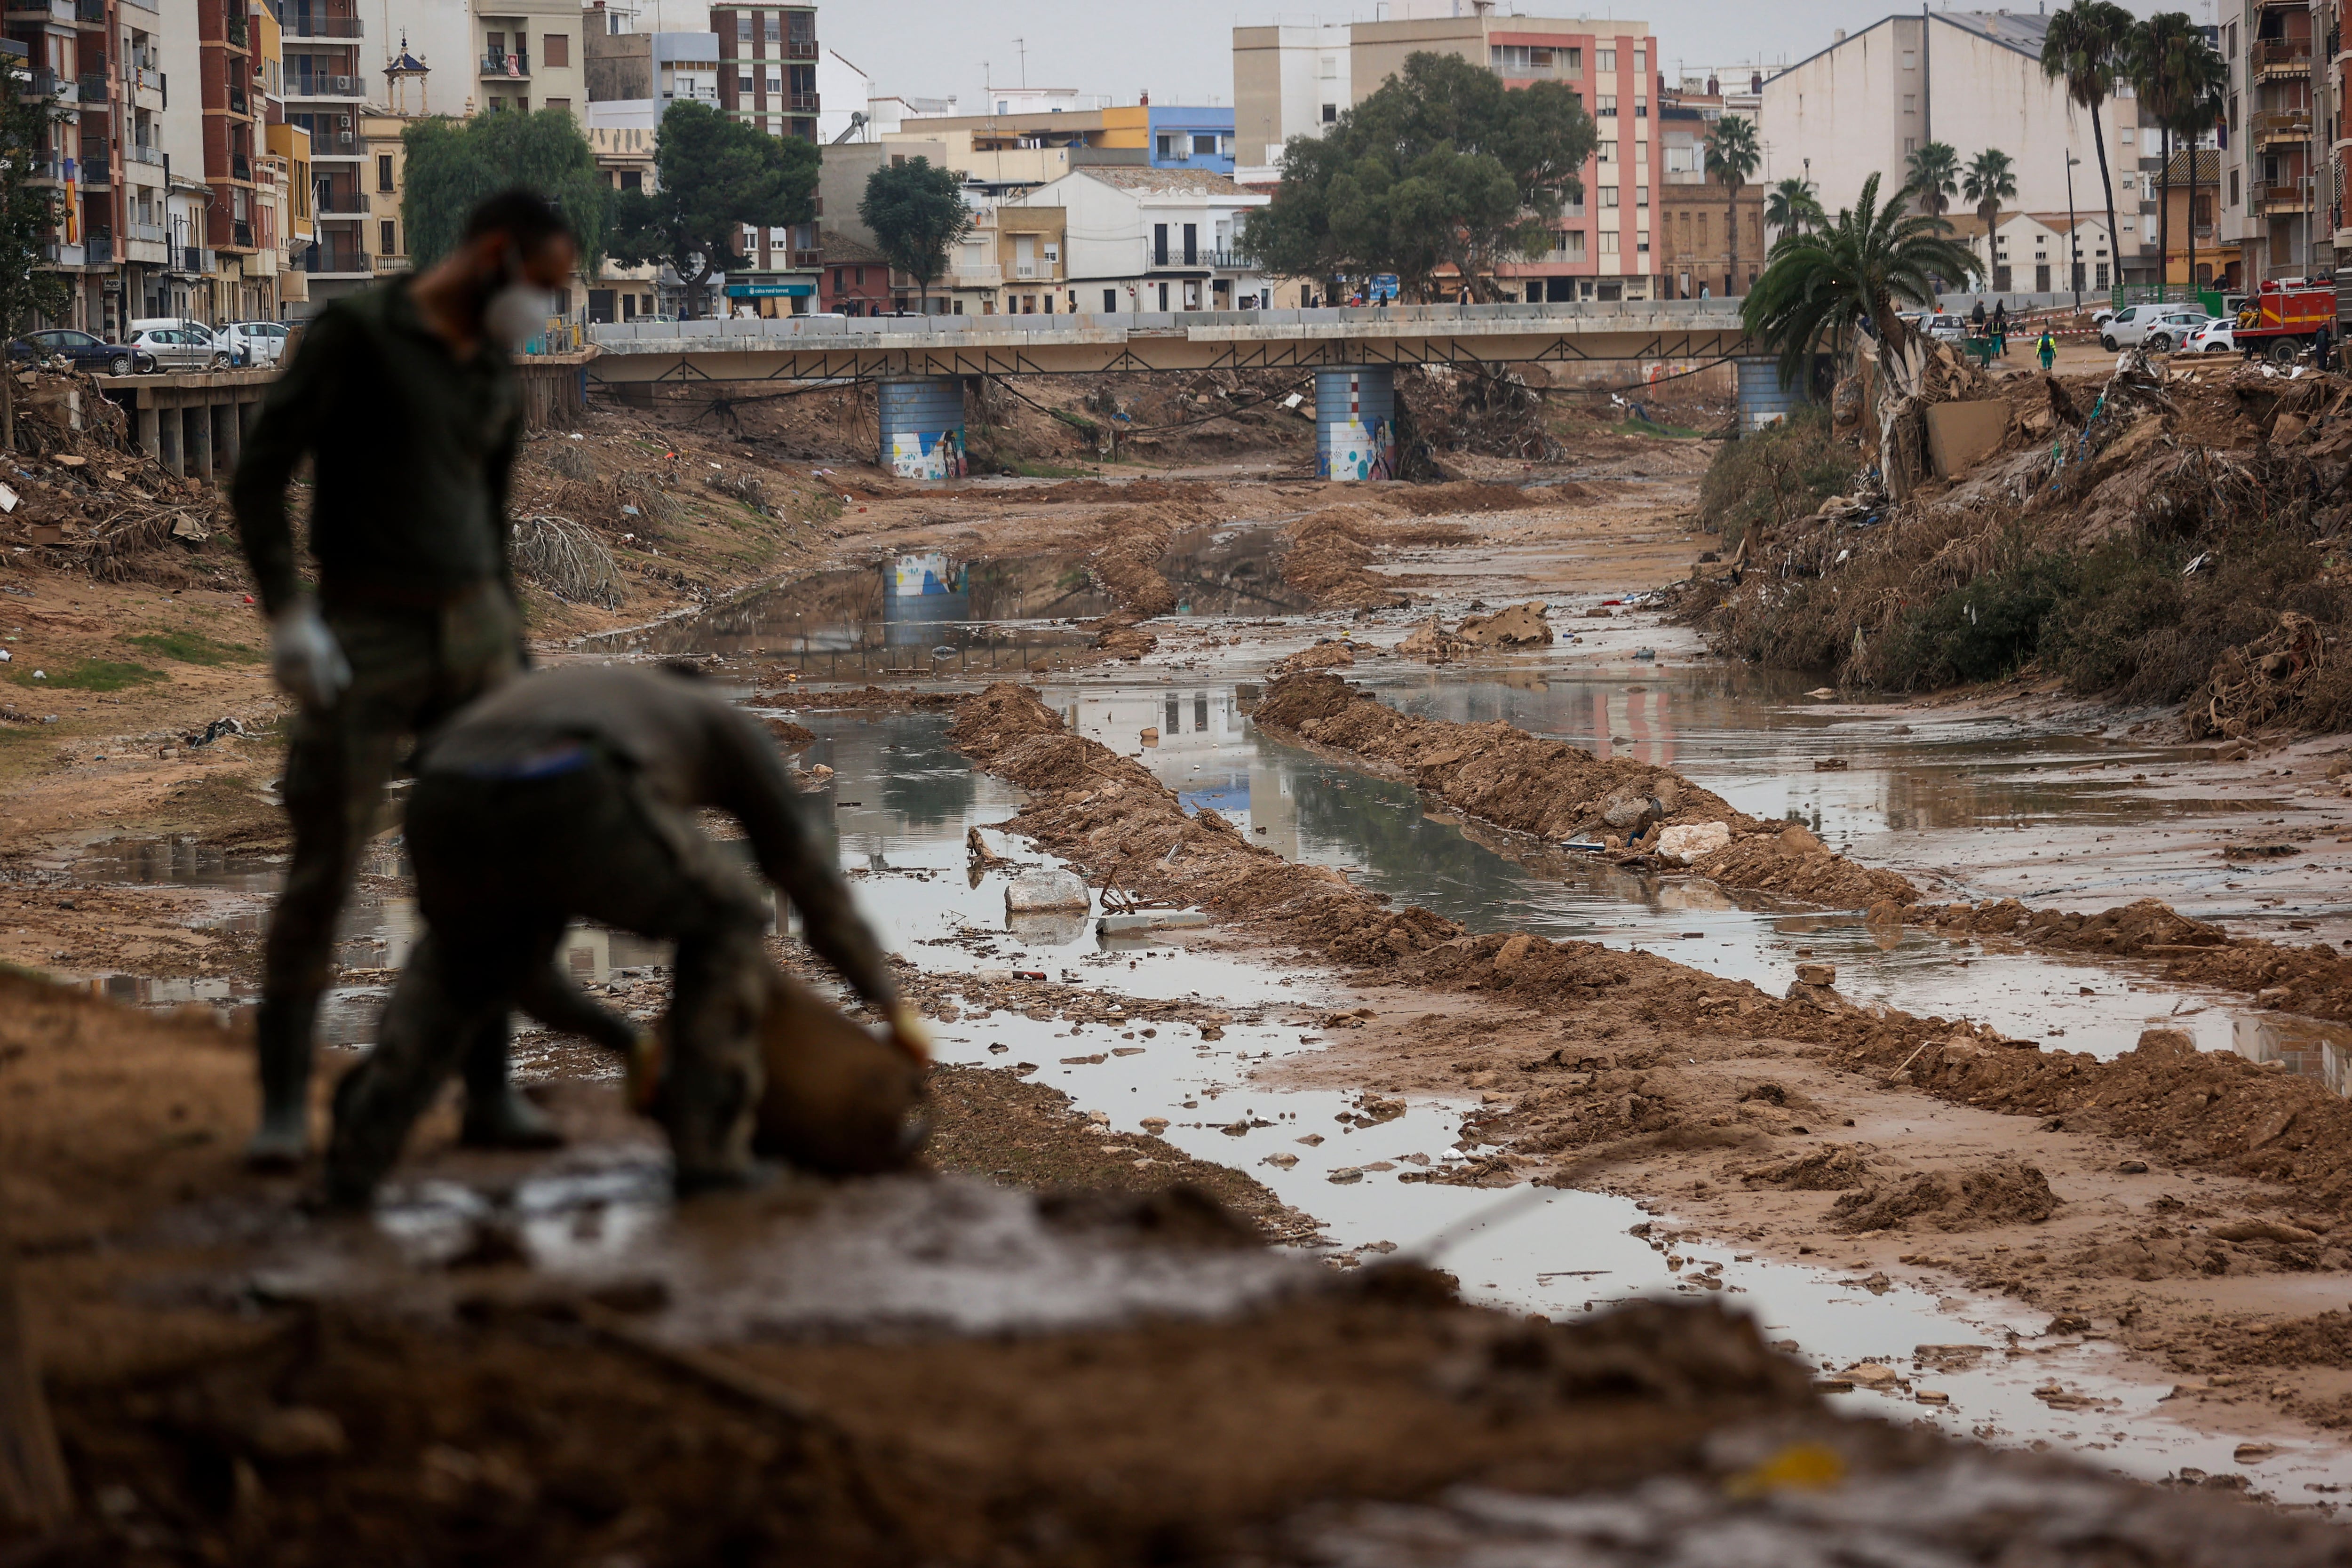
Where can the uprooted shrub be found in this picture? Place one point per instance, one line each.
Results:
(1775, 475)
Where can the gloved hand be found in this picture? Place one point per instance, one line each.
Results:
(910, 1033)
(303, 656)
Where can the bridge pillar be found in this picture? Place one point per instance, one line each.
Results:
(1355, 422)
(921, 419)
(1762, 399)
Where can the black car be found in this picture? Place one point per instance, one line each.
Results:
(91, 353)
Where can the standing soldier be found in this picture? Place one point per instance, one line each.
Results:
(405, 401)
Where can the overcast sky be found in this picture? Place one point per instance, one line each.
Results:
(1183, 53)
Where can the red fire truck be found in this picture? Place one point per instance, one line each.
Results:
(2279, 319)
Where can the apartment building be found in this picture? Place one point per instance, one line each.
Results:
(1709, 242)
(767, 65)
(655, 70)
(1972, 80)
(1290, 80)
(1138, 238)
(2282, 155)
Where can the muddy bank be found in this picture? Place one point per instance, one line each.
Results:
(1502, 774)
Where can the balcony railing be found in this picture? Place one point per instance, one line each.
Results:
(1219, 260)
(44, 167)
(93, 89)
(2273, 56)
(801, 49)
(2280, 124)
(307, 24)
(96, 247)
(56, 252)
(975, 277)
(319, 84)
(134, 153)
(194, 258)
(90, 11)
(342, 203)
(148, 77)
(146, 234)
(2276, 195)
(233, 22)
(95, 171)
(1044, 271)
(511, 63)
(43, 82)
(335, 258)
(803, 101)
(240, 167)
(58, 11)
(334, 144)
(240, 233)
(238, 102)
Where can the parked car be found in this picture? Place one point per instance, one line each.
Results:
(256, 343)
(159, 324)
(1945, 328)
(181, 348)
(86, 352)
(2218, 336)
(2156, 328)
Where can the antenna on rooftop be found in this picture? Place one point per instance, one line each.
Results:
(1023, 45)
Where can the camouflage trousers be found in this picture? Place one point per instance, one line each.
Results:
(410, 669)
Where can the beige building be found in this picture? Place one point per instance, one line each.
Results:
(1288, 81)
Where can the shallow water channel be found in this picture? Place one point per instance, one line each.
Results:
(901, 803)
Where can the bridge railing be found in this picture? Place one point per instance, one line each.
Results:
(769, 332)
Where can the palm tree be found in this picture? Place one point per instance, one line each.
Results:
(1874, 258)
(1790, 206)
(1731, 157)
(1988, 181)
(2085, 47)
(2207, 75)
(2179, 78)
(1933, 171)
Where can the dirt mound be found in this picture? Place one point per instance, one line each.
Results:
(1518, 625)
(1333, 655)
(1432, 643)
(1950, 1200)
(1502, 774)
(809, 699)
(1436, 500)
(2315, 978)
(1792, 863)
(1837, 1168)
(2325, 1340)
(1331, 557)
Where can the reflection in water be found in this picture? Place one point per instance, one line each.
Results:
(929, 610)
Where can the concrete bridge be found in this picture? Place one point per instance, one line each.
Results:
(918, 362)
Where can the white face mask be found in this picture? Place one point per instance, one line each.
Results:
(516, 314)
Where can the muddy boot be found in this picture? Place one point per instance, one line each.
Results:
(497, 1116)
(282, 1038)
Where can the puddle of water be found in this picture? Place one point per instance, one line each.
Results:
(930, 610)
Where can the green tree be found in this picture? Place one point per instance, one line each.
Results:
(1988, 181)
(1933, 174)
(2086, 48)
(917, 211)
(714, 177)
(1790, 206)
(1732, 156)
(1441, 167)
(1875, 258)
(30, 214)
(453, 164)
(2179, 78)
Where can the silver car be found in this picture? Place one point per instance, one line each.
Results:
(253, 343)
(181, 348)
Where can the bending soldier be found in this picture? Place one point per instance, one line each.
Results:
(569, 796)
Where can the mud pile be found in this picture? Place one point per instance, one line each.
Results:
(1793, 863)
(1977, 1199)
(1504, 775)
(1331, 557)
(2313, 979)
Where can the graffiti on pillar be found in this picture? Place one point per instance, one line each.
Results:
(1355, 448)
(927, 454)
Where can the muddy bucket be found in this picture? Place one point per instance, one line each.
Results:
(838, 1100)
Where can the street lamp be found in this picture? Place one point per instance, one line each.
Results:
(2074, 238)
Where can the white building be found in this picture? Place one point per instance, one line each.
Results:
(2030, 251)
(1145, 239)
(1971, 80)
